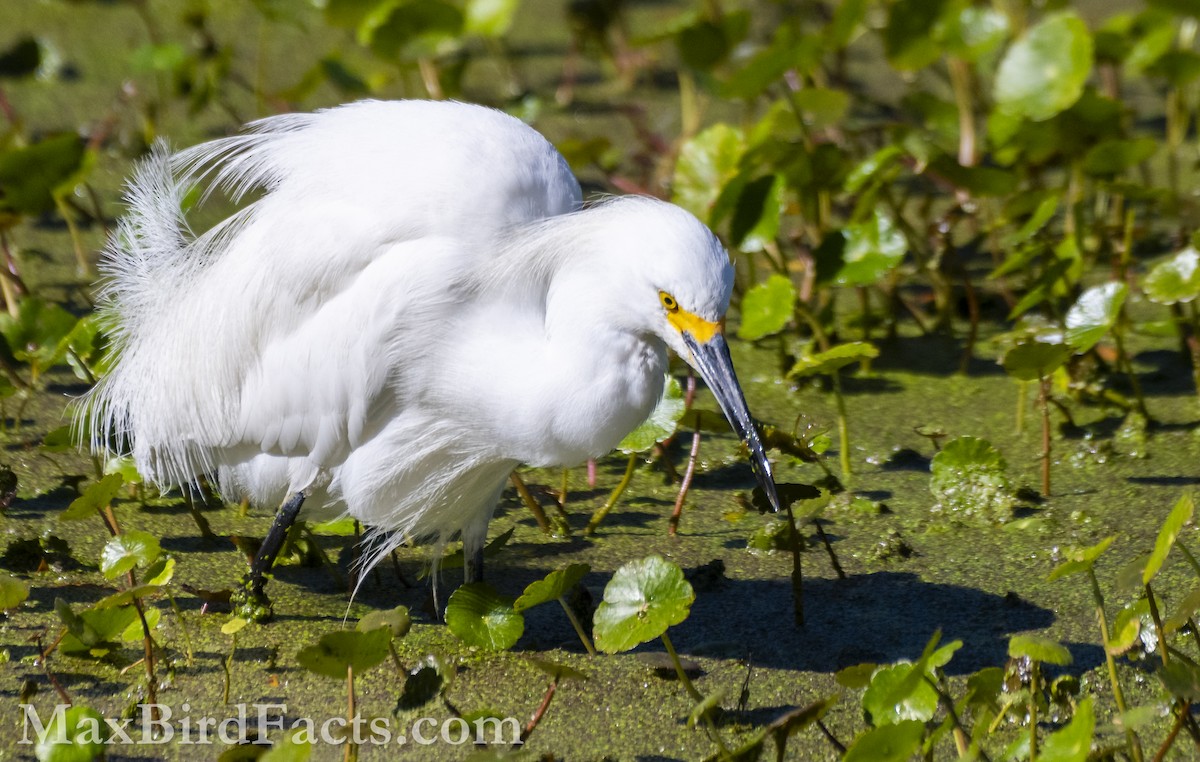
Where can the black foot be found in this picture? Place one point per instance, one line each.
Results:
(249, 600)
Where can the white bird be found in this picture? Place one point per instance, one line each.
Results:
(413, 303)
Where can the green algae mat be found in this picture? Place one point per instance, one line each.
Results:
(965, 316)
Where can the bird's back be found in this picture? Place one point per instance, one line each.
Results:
(349, 193)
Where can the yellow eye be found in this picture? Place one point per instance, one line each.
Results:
(668, 302)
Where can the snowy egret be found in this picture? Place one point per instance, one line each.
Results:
(414, 303)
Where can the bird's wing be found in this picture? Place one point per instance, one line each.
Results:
(281, 313)
(326, 384)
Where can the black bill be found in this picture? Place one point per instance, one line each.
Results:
(712, 360)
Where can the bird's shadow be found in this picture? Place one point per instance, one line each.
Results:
(879, 618)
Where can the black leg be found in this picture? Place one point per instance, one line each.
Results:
(250, 601)
(473, 565)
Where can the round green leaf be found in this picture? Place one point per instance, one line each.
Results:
(887, 705)
(1175, 280)
(84, 730)
(13, 591)
(1032, 359)
(397, 620)
(661, 423)
(93, 499)
(968, 480)
(1044, 71)
(1093, 314)
(555, 585)
(1039, 649)
(127, 550)
(482, 618)
(337, 651)
(767, 307)
(641, 601)
(887, 743)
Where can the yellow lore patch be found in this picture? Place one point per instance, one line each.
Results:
(701, 330)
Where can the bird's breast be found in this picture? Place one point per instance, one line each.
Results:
(556, 402)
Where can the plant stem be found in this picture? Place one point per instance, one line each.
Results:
(797, 571)
(1158, 625)
(582, 633)
(1180, 714)
(541, 711)
(351, 753)
(1131, 739)
(1127, 366)
(686, 483)
(843, 426)
(531, 503)
(1044, 407)
(679, 670)
(603, 510)
(1033, 715)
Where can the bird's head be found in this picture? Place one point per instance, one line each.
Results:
(679, 279)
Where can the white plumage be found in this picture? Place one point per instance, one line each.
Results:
(411, 305)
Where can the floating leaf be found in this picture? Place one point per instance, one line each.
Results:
(1040, 649)
(887, 743)
(662, 421)
(1044, 71)
(556, 670)
(767, 307)
(968, 479)
(1179, 515)
(85, 733)
(641, 601)
(1094, 314)
(13, 591)
(1175, 280)
(235, 625)
(338, 651)
(482, 618)
(127, 550)
(92, 630)
(555, 585)
(1072, 743)
(397, 620)
(1032, 359)
(833, 359)
(295, 746)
